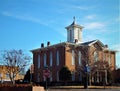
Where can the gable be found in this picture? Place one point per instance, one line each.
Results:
(97, 44)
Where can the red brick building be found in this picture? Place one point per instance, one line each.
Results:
(74, 54)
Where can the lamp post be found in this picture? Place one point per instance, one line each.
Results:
(87, 70)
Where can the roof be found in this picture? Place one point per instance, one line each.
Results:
(50, 46)
(89, 43)
(74, 25)
(55, 45)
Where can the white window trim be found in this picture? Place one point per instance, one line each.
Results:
(80, 76)
(57, 58)
(95, 56)
(51, 60)
(73, 76)
(51, 77)
(109, 59)
(57, 75)
(39, 61)
(73, 58)
(44, 59)
(38, 78)
(79, 58)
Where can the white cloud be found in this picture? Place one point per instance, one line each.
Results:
(47, 23)
(118, 19)
(94, 25)
(24, 17)
(81, 7)
(116, 47)
(90, 17)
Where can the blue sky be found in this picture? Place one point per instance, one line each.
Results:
(25, 24)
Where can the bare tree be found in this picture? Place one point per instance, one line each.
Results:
(15, 61)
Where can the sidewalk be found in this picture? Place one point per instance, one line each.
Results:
(82, 87)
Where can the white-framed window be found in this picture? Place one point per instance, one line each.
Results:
(51, 60)
(38, 78)
(44, 59)
(79, 58)
(73, 57)
(70, 35)
(104, 56)
(73, 76)
(109, 59)
(57, 56)
(95, 56)
(44, 78)
(57, 75)
(51, 77)
(38, 60)
(80, 76)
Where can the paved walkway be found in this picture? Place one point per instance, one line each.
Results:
(83, 89)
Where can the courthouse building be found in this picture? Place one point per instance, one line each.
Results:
(75, 54)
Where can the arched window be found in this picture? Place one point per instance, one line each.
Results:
(57, 75)
(80, 76)
(70, 35)
(39, 61)
(73, 57)
(51, 77)
(109, 59)
(95, 56)
(57, 56)
(51, 60)
(73, 76)
(38, 78)
(79, 57)
(44, 59)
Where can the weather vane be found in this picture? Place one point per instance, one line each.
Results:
(74, 19)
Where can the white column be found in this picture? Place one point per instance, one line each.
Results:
(97, 76)
(105, 76)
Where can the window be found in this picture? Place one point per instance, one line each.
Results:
(80, 76)
(57, 58)
(79, 58)
(51, 59)
(57, 75)
(95, 56)
(44, 59)
(38, 61)
(73, 57)
(44, 79)
(70, 35)
(51, 76)
(38, 78)
(104, 56)
(109, 59)
(73, 76)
